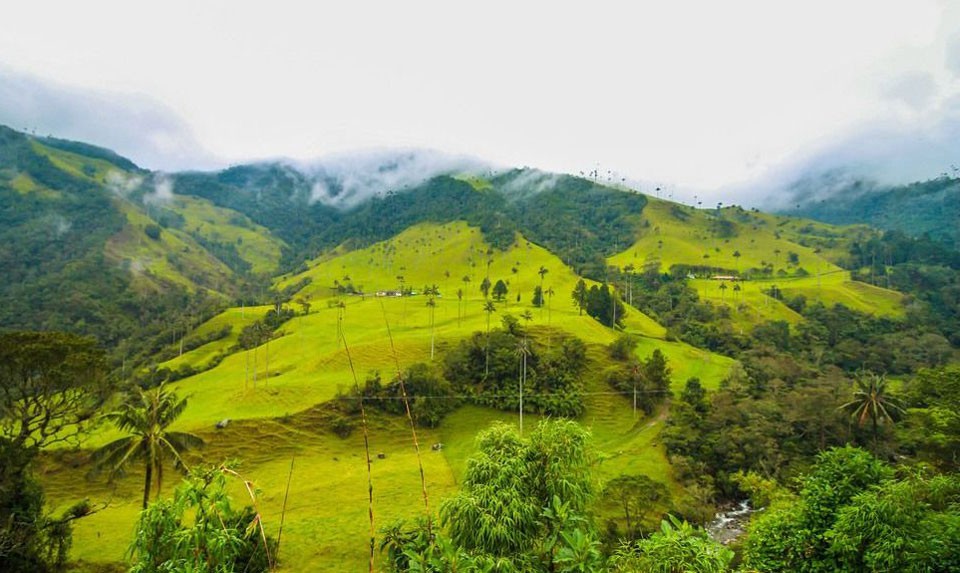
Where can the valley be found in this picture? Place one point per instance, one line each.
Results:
(272, 313)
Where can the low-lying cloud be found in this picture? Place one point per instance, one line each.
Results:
(135, 126)
(348, 179)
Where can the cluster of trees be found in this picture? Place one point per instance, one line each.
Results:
(600, 302)
(489, 368)
(526, 505)
(854, 513)
(647, 382)
(53, 387)
(502, 368)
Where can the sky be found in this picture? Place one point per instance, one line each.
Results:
(723, 100)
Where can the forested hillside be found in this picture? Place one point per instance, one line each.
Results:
(601, 370)
(927, 208)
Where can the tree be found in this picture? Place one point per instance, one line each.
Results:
(51, 384)
(604, 306)
(872, 402)
(542, 271)
(579, 295)
(541, 487)
(795, 536)
(432, 305)
(678, 547)
(459, 304)
(523, 351)
(636, 495)
(200, 530)
(657, 373)
(489, 308)
(485, 287)
(304, 303)
(145, 416)
(499, 290)
(537, 296)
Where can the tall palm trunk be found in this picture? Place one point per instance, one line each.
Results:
(146, 483)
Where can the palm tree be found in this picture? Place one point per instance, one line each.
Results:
(542, 272)
(872, 402)
(432, 305)
(522, 351)
(490, 308)
(145, 416)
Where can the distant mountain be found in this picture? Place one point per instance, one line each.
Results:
(91, 243)
(929, 208)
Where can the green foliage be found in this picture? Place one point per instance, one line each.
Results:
(200, 530)
(927, 208)
(430, 396)
(872, 402)
(145, 416)
(487, 366)
(905, 525)
(775, 433)
(759, 490)
(648, 381)
(152, 231)
(537, 300)
(637, 496)
(520, 498)
(604, 305)
(499, 290)
(622, 347)
(31, 541)
(931, 429)
(677, 548)
(51, 384)
(796, 537)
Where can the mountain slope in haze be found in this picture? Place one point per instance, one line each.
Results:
(89, 245)
(929, 208)
(580, 220)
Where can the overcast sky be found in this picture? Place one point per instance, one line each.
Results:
(701, 96)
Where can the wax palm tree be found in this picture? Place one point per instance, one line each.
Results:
(872, 402)
(490, 308)
(542, 272)
(522, 352)
(145, 416)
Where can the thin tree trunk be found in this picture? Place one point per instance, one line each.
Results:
(146, 483)
(159, 478)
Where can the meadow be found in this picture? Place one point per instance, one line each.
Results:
(273, 395)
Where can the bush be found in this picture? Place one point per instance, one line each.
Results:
(153, 231)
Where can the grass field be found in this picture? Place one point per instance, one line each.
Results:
(734, 241)
(274, 418)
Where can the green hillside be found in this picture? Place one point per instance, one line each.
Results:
(266, 307)
(797, 256)
(924, 208)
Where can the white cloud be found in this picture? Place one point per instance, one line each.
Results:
(700, 97)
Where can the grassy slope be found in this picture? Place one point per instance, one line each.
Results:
(676, 234)
(174, 258)
(255, 244)
(273, 421)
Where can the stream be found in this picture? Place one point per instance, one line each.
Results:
(729, 525)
